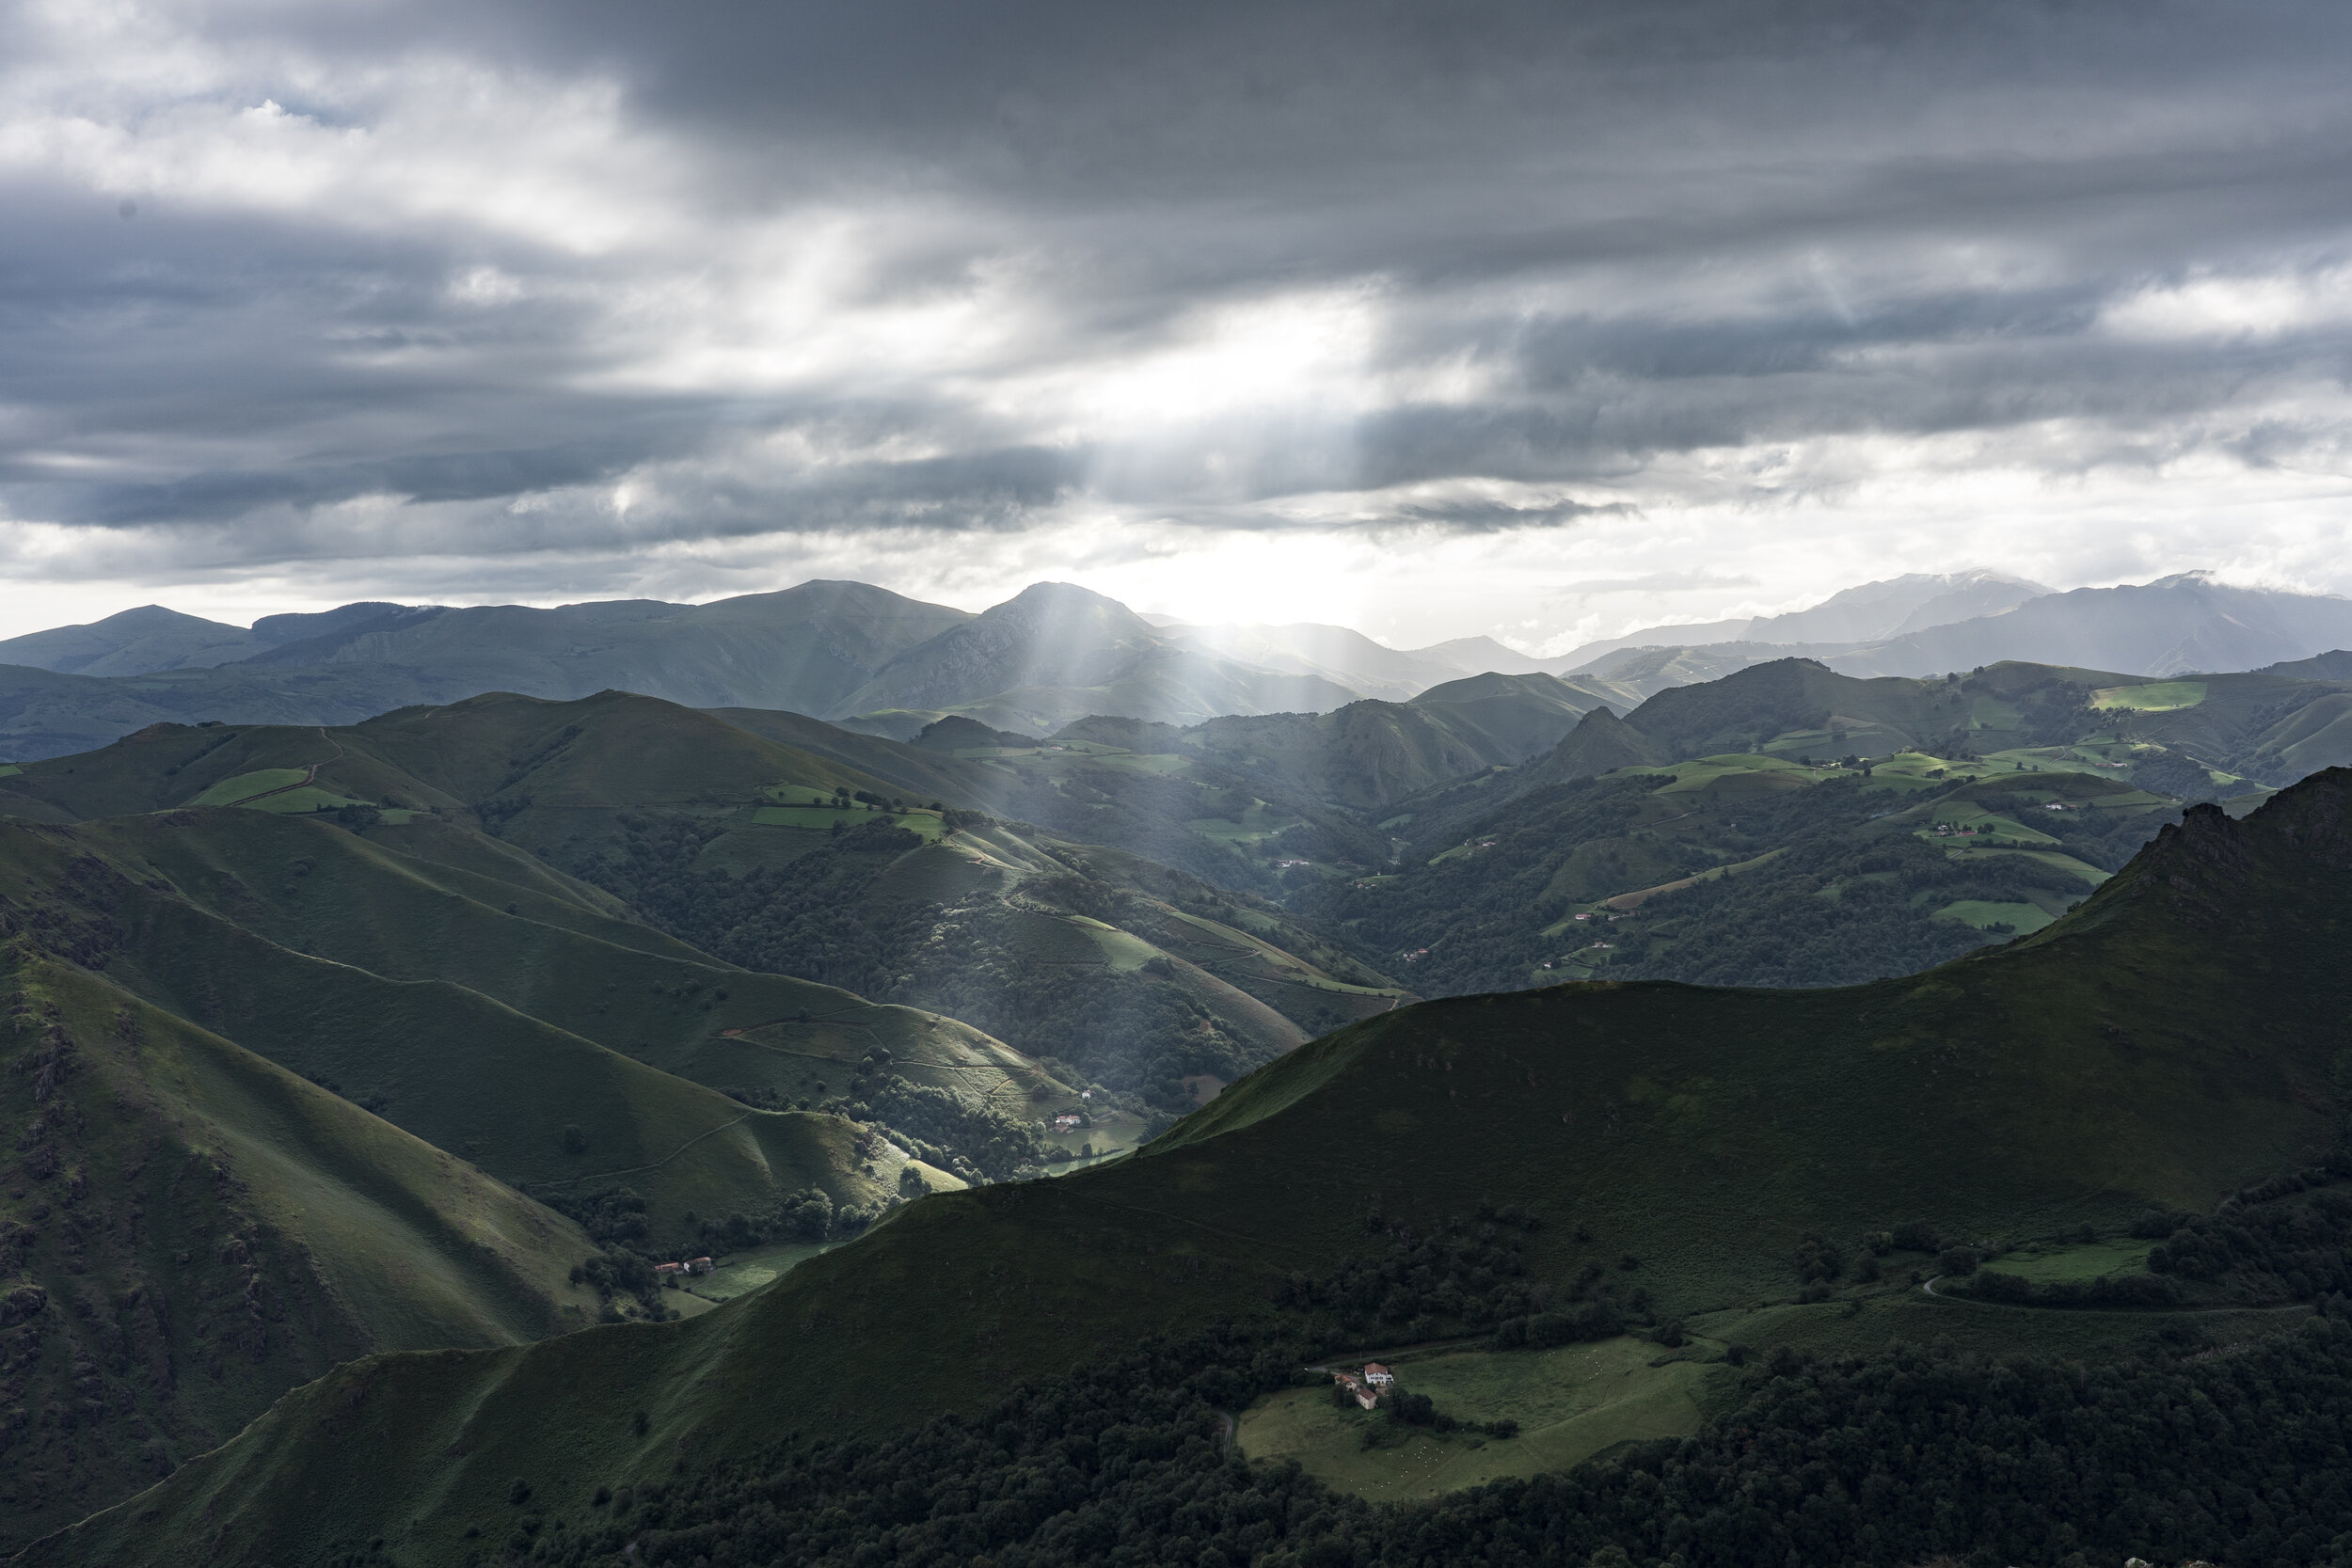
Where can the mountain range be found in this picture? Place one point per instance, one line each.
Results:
(864, 657)
(410, 1045)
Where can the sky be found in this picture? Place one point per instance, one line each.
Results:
(1542, 321)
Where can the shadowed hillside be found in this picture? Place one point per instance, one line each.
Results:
(187, 1230)
(2166, 1043)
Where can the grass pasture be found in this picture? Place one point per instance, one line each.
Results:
(1636, 899)
(1981, 824)
(742, 1272)
(2154, 697)
(2090, 875)
(1259, 823)
(2088, 1260)
(1913, 770)
(1124, 953)
(1984, 914)
(245, 786)
(1734, 771)
(300, 801)
(812, 817)
(1570, 1404)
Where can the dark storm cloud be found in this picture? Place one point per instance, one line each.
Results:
(1592, 234)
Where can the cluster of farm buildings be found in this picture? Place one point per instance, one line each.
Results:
(1377, 1380)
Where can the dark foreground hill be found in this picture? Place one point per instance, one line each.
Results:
(187, 1230)
(1685, 1154)
(290, 1088)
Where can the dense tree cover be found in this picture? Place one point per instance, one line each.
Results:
(1464, 1274)
(2260, 1251)
(2239, 1453)
(1009, 1145)
(2171, 773)
(2174, 1447)
(614, 1218)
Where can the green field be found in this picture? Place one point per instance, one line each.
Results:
(307, 798)
(2154, 697)
(2024, 919)
(1570, 1404)
(2090, 875)
(1734, 771)
(740, 1273)
(821, 818)
(1981, 824)
(230, 792)
(2090, 1261)
(1258, 823)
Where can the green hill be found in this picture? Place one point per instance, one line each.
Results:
(1367, 754)
(2260, 726)
(1739, 869)
(1792, 825)
(554, 1045)
(1686, 1154)
(188, 1231)
(768, 857)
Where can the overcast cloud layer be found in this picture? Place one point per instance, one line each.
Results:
(1541, 320)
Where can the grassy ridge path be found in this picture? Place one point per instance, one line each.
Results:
(1928, 1287)
(309, 777)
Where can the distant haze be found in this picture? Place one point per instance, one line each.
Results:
(1540, 322)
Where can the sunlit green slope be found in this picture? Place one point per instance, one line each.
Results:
(767, 856)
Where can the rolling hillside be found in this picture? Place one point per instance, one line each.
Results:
(768, 858)
(447, 1006)
(1787, 825)
(1706, 1142)
(1367, 754)
(1743, 870)
(187, 1230)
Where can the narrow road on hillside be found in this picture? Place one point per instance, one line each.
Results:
(605, 1175)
